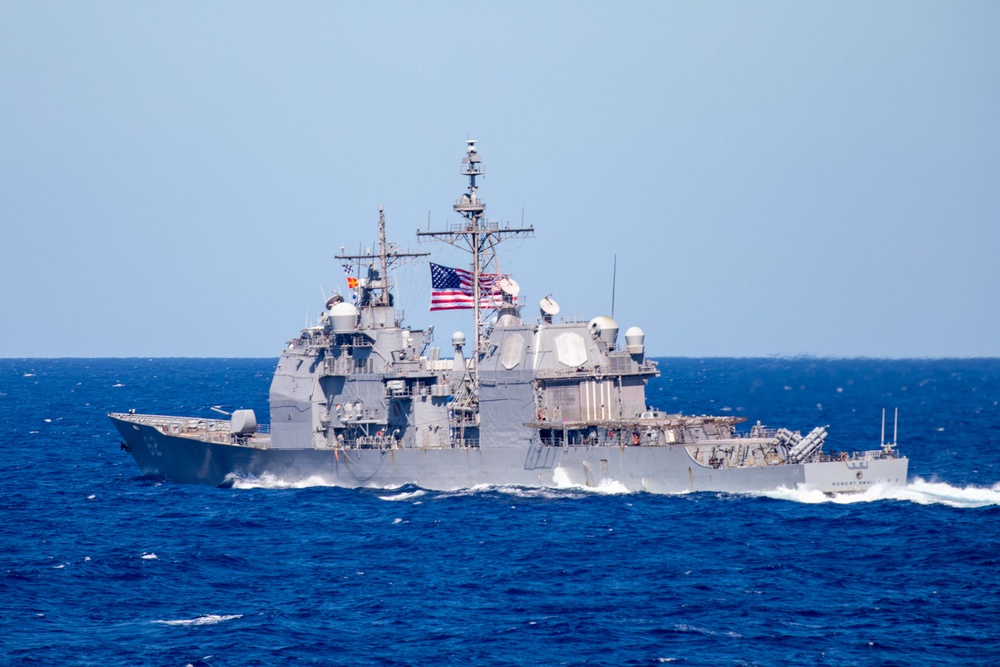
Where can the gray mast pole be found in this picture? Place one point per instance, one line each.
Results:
(614, 280)
(384, 261)
(474, 212)
(476, 234)
(476, 264)
(388, 256)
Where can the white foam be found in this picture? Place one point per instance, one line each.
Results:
(561, 487)
(269, 481)
(611, 487)
(561, 478)
(149, 556)
(407, 495)
(606, 486)
(208, 619)
(918, 491)
(543, 492)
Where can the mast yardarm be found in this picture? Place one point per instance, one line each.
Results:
(478, 236)
(389, 256)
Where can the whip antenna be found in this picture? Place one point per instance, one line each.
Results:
(614, 279)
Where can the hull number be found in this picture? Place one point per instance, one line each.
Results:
(154, 449)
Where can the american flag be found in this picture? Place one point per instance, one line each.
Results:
(451, 289)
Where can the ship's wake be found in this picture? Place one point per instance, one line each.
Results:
(610, 487)
(208, 619)
(918, 491)
(405, 495)
(269, 481)
(531, 492)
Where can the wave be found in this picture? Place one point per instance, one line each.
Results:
(269, 481)
(208, 619)
(406, 495)
(566, 491)
(919, 491)
(544, 492)
(609, 487)
(561, 487)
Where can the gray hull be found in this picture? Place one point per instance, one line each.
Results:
(661, 469)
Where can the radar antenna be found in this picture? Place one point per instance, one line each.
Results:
(388, 257)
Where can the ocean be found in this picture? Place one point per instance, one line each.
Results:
(102, 566)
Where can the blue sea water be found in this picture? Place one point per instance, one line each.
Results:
(101, 566)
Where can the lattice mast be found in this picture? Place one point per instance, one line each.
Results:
(477, 235)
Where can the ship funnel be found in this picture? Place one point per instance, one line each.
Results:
(605, 329)
(343, 317)
(634, 341)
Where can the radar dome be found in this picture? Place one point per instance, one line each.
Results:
(458, 339)
(343, 317)
(606, 329)
(634, 339)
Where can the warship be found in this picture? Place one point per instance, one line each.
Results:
(360, 399)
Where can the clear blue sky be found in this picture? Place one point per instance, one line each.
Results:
(775, 178)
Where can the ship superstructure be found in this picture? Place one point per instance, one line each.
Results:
(362, 399)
